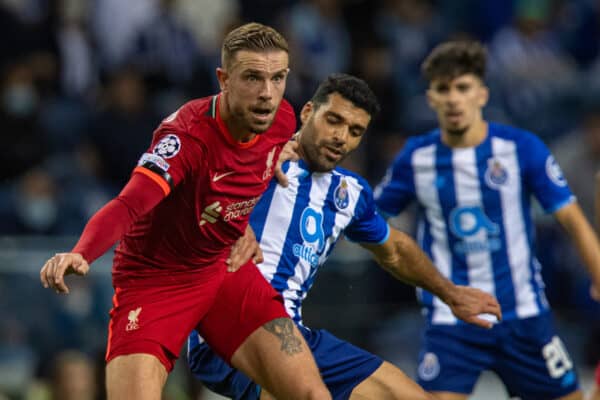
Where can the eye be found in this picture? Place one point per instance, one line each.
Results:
(332, 119)
(278, 78)
(252, 78)
(356, 132)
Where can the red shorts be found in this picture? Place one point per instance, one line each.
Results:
(225, 307)
(597, 376)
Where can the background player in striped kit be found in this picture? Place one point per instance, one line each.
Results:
(473, 182)
(297, 227)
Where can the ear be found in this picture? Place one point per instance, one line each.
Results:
(484, 96)
(223, 79)
(306, 111)
(430, 100)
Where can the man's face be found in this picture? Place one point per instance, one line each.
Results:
(254, 83)
(331, 131)
(457, 102)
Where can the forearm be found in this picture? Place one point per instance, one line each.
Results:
(584, 238)
(103, 230)
(405, 260)
(115, 219)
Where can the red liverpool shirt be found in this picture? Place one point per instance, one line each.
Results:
(213, 183)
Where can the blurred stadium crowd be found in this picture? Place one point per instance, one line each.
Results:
(83, 83)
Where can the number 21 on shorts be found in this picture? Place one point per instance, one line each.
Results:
(557, 358)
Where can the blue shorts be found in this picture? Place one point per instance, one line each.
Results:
(527, 355)
(342, 365)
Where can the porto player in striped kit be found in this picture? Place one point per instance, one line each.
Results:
(473, 182)
(188, 201)
(298, 226)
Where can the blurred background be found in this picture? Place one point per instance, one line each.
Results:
(83, 83)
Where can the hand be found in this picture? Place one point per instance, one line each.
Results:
(468, 303)
(245, 247)
(289, 152)
(54, 270)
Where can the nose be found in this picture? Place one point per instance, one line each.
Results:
(340, 134)
(266, 90)
(453, 96)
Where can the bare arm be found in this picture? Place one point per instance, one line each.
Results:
(581, 232)
(403, 258)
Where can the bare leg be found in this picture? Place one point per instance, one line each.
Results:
(277, 358)
(389, 383)
(135, 376)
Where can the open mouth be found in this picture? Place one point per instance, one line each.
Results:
(333, 153)
(262, 114)
(454, 116)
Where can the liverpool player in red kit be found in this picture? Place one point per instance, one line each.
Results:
(186, 204)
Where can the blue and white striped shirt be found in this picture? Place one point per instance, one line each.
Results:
(298, 226)
(475, 217)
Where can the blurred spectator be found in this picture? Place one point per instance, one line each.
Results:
(78, 67)
(578, 154)
(319, 42)
(74, 377)
(24, 141)
(410, 28)
(535, 75)
(116, 25)
(164, 50)
(122, 130)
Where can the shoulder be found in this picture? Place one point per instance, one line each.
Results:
(521, 137)
(352, 178)
(426, 139)
(191, 117)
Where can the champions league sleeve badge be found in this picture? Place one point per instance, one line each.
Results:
(340, 195)
(167, 147)
(495, 174)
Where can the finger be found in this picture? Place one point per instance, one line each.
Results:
(43, 273)
(483, 323)
(258, 256)
(280, 176)
(61, 268)
(50, 266)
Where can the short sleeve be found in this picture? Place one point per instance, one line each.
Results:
(172, 155)
(543, 176)
(367, 226)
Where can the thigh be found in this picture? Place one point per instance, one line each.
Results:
(245, 302)
(342, 365)
(156, 319)
(452, 357)
(277, 358)
(216, 374)
(388, 382)
(534, 362)
(135, 377)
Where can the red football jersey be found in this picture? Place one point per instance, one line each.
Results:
(214, 183)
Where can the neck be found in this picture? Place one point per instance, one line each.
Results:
(234, 125)
(473, 136)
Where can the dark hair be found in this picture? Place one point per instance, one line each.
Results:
(254, 37)
(452, 59)
(349, 87)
